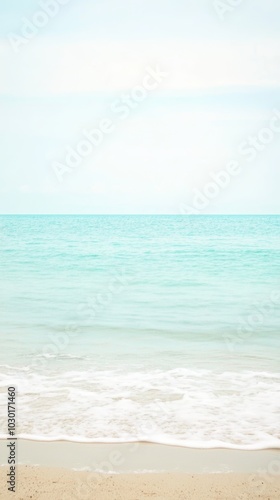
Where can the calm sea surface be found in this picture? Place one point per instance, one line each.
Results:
(155, 328)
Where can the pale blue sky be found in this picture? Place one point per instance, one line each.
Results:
(222, 87)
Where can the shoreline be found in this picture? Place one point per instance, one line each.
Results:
(213, 445)
(63, 470)
(128, 458)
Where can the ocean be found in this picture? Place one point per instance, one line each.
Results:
(142, 328)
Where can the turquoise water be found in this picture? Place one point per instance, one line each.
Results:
(163, 328)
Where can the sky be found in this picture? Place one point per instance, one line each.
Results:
(140, 106)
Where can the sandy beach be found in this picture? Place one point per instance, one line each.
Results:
(61, 484)
(134, 471)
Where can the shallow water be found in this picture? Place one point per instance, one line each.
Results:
(157, 328)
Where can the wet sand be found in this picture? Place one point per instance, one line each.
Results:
(135, 471)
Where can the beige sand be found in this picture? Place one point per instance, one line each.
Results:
(38, 483)
(192, 474)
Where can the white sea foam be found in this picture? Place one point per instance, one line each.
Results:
(182, 407)
(58, 356)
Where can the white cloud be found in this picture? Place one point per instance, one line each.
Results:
(61, 68)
